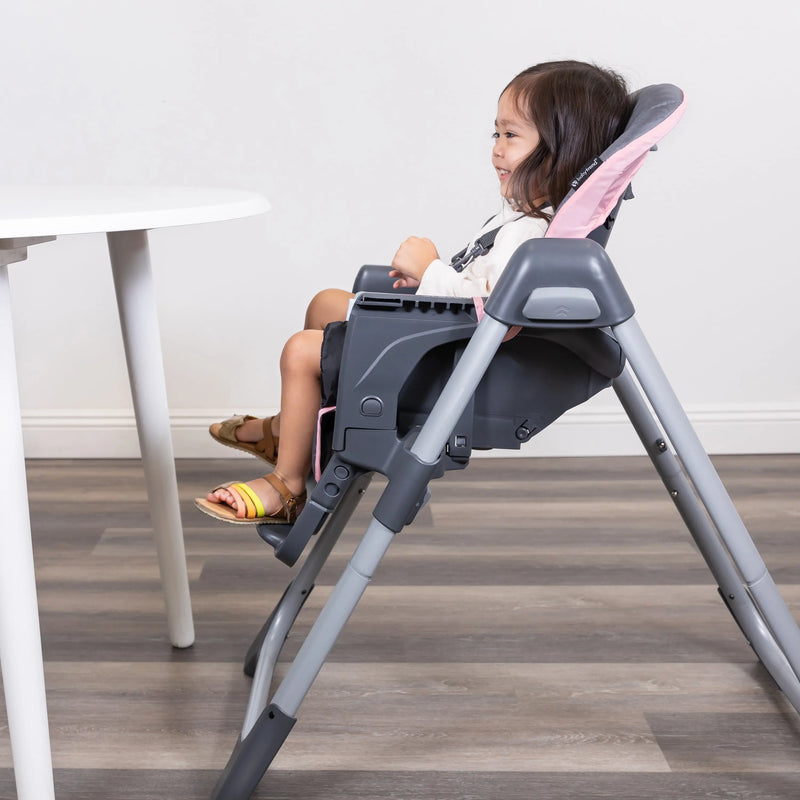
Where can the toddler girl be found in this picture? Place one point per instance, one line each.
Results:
(552, 119)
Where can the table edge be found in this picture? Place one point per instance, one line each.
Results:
(247, 206)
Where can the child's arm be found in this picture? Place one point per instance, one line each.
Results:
(411, 260)
(480, 276)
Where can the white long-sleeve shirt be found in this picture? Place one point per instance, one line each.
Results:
(480, 276)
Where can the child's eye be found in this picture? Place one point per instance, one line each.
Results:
(495, 135)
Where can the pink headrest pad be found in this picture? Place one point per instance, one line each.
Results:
(590, 204)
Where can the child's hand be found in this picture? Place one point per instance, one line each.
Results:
(411, 260)
(402, 281)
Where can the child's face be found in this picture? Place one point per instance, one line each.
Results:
(514, 139)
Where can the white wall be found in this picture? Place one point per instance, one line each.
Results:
(364, 122)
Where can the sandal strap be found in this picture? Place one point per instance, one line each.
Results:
(289, 500)
(253, 505)
(269, 444)
(227, 430)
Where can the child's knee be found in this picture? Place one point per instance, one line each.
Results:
(302, 352)
(323, 298)
(320, 303)
(327, 306)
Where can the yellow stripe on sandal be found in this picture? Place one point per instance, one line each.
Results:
(255, 508)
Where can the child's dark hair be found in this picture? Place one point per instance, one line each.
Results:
(578, 110)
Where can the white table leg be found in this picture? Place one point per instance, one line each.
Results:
(20, 639)
(130, 263)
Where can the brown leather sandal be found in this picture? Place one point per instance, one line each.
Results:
(255, 513)
(225, 433)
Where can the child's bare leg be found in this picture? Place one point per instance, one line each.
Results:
(329, 305)
(300, 396)
(300, 391)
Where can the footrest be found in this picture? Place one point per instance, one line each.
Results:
(274, 535)
(289, 541)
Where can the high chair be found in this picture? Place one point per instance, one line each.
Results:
(425, 381)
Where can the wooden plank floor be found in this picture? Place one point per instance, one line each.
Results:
(546, 629)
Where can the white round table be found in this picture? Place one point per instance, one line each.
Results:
(30, 215)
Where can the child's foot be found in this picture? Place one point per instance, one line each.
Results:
(271, 498)
(255, 435)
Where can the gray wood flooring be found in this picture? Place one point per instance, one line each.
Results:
(546, 629)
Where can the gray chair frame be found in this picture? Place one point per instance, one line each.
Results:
(571, 270)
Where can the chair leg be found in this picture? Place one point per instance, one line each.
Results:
(254, 651)
(744, 582)
(266, 648)
(256, 749)
(252, 755)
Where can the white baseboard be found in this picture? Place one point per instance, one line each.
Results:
(583, 431)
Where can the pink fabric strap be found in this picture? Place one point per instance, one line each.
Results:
(512, 331)
(318, 456)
